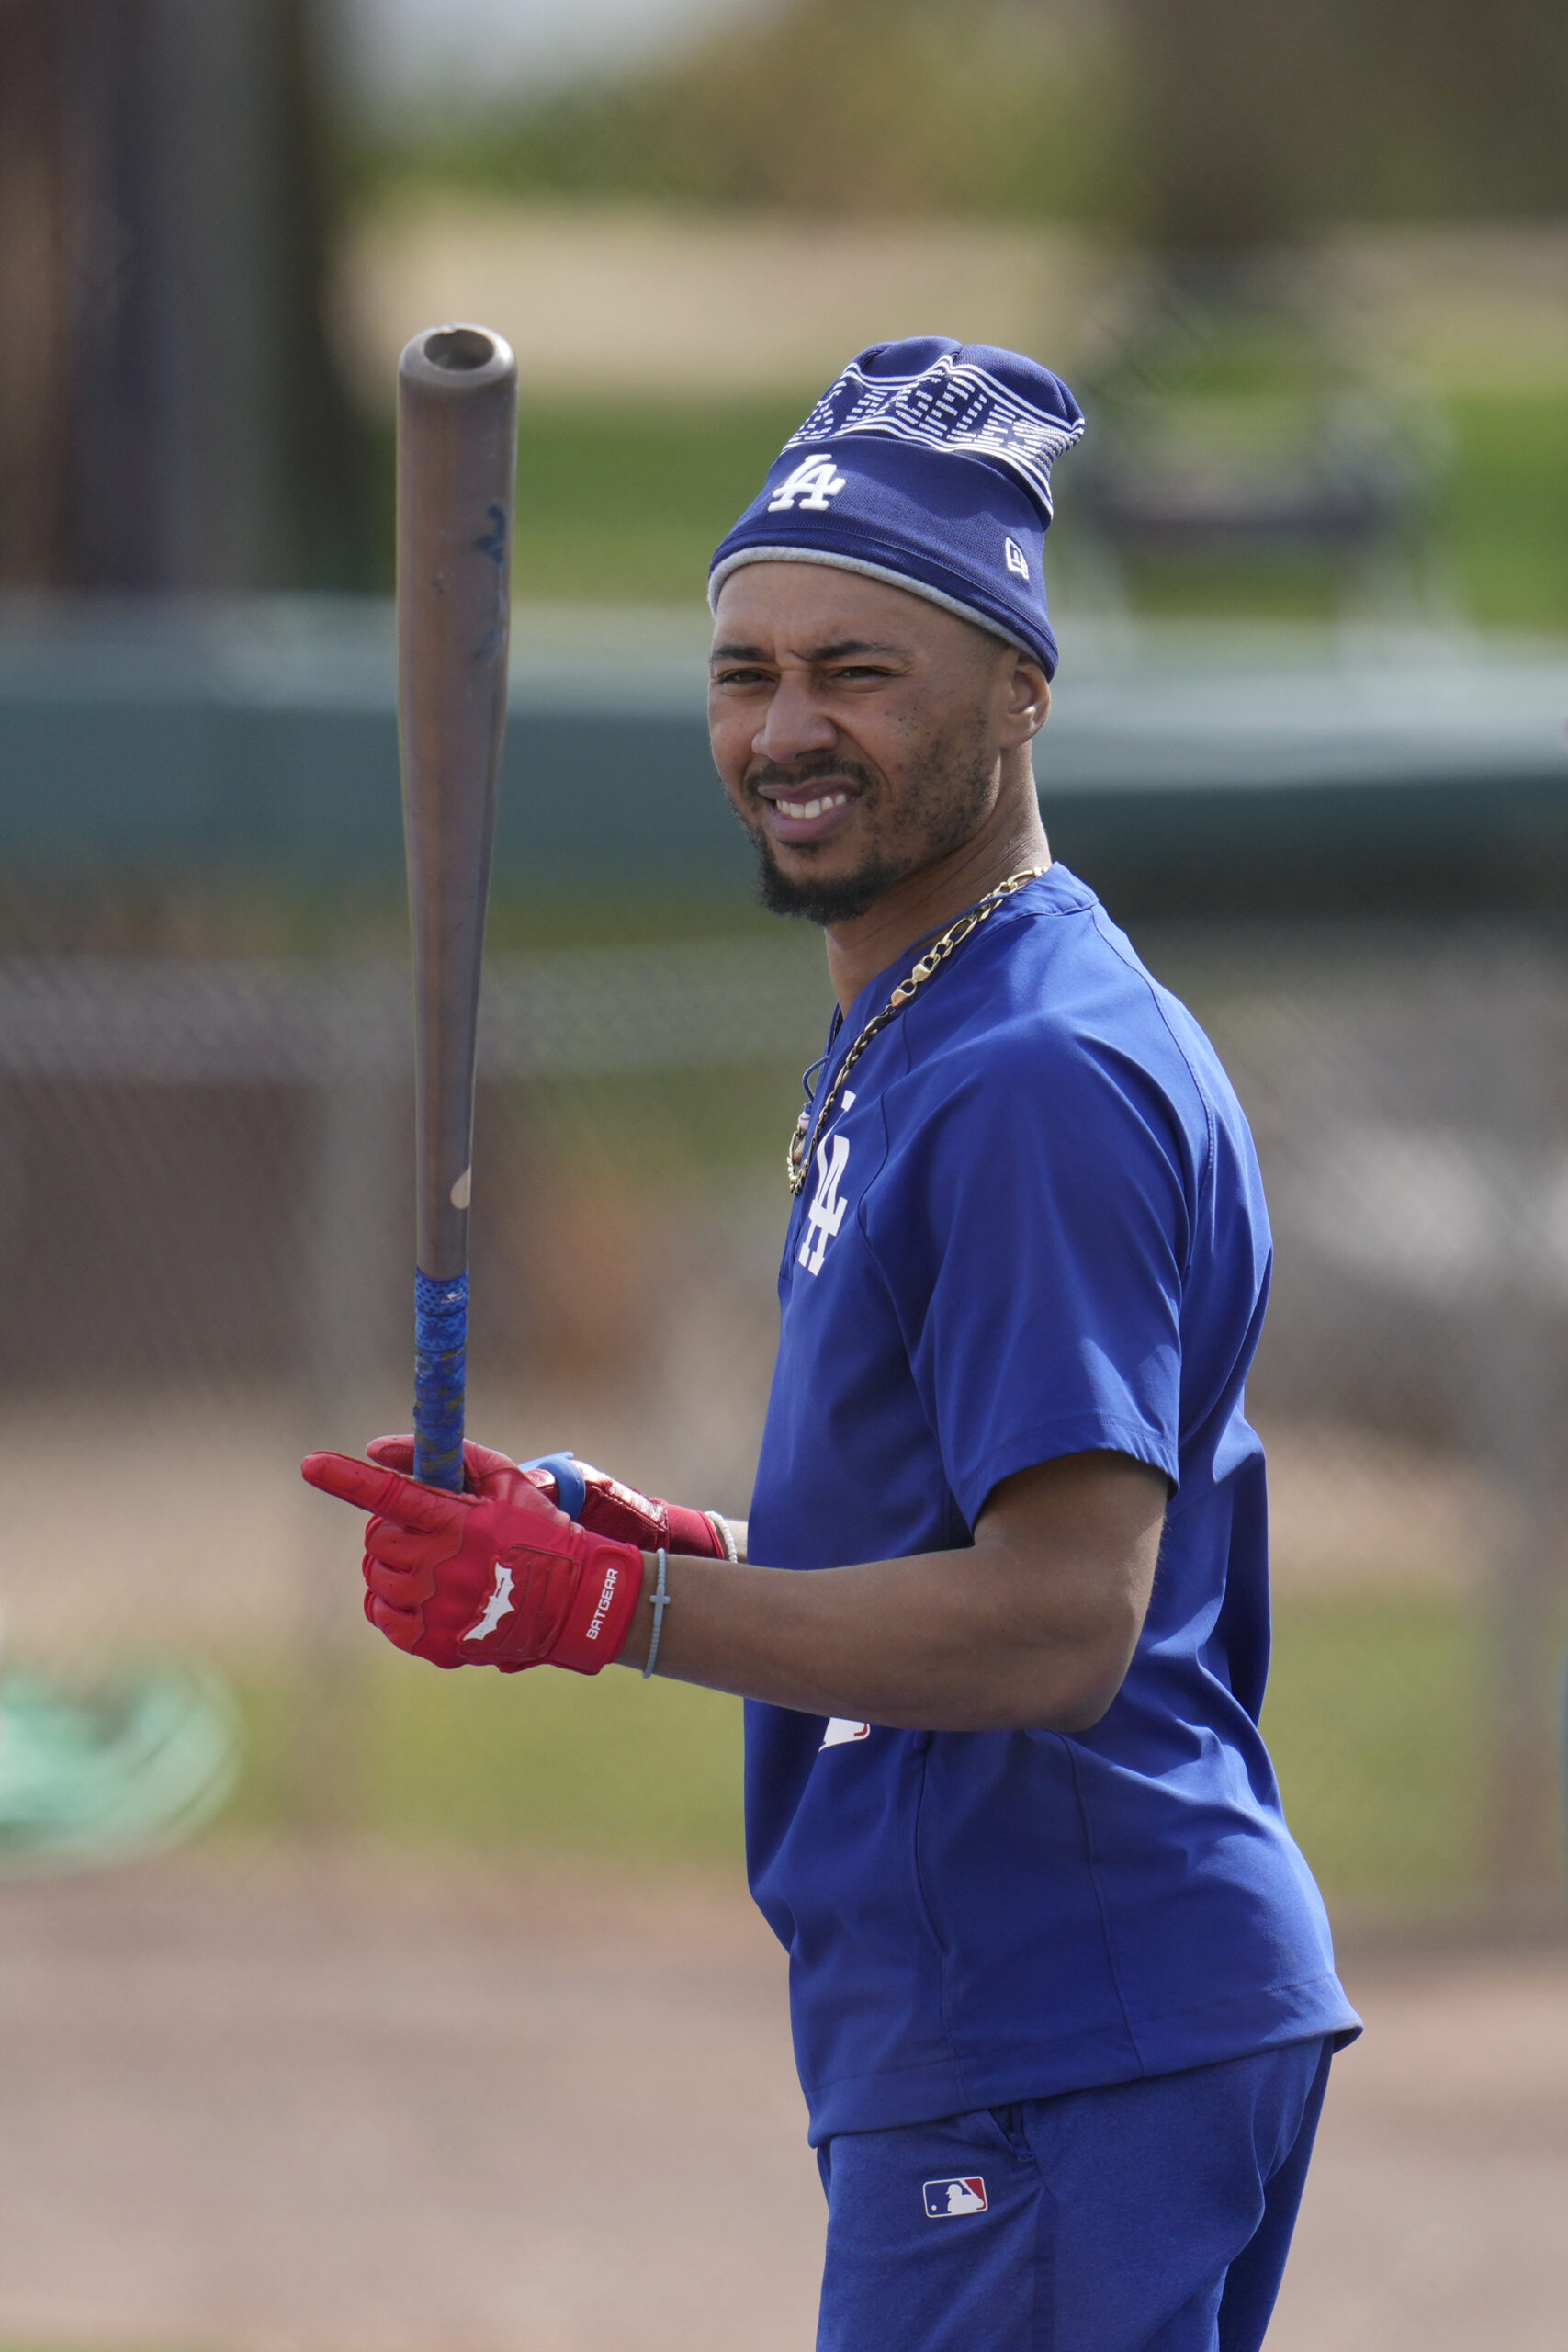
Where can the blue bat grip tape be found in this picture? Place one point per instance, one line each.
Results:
(440, 1353)
(571, 1487)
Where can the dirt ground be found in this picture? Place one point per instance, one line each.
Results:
(600, 296)
(361, 2107)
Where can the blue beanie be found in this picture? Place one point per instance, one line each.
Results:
(927, 464)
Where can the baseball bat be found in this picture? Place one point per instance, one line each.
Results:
(456, 471)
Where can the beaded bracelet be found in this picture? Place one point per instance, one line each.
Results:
(660, 1604)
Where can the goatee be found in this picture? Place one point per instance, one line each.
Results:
(828, 900)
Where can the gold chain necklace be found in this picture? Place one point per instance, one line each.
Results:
(807, 1130)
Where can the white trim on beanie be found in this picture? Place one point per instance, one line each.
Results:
(721, 572)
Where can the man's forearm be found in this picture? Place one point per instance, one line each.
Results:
(946, 1641)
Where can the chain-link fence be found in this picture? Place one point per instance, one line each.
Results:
(205, 1232)
(1407, 1090)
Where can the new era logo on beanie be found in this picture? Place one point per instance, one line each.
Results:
(927, 464)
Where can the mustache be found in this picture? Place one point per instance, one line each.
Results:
(814, 768)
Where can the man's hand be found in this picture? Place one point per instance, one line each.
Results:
(497, 1577)
(606, 1508)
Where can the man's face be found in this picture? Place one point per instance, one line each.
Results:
(857, 729)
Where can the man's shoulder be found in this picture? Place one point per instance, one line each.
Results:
(1055, 992)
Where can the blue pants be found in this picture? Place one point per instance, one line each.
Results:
(1153, 2216)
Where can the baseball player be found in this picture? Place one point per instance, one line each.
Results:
(1063, 1992)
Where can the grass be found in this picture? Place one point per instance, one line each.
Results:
(1373, 1719)
(612, 1767)
(1374, 1722)
(624, 503)
(1505, 526)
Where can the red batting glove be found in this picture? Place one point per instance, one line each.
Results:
(497, 1577)
(628, 1517)
(609, 1509)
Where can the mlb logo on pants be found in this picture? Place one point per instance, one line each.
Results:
(946, 2198)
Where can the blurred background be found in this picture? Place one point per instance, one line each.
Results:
(1308, 272)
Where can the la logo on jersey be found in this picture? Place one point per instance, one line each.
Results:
(1017, 561)
(947, 2198)
(825, 1213)
(813, 482)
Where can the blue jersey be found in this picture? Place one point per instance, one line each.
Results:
(1035, 1227)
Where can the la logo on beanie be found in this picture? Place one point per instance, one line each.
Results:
(813, 482)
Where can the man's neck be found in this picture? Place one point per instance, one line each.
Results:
(928, 900)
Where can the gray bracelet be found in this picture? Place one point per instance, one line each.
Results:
(726, 1534)
(660, 1604)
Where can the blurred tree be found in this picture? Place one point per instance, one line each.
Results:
(170, 417)
(1252, 124)
(1456, 109)
(1217, 88)
(829, 106)
(1207, 123)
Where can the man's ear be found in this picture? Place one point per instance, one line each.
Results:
(1027, 699)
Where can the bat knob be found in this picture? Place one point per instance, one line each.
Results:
(457, 360)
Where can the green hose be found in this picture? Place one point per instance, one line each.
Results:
(103, 1774)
